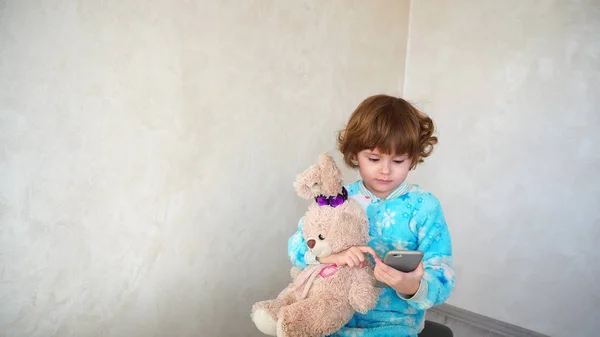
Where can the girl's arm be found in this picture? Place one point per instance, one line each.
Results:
(438, 278)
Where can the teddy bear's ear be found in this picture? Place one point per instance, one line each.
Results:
(307, 182)
(331, 176)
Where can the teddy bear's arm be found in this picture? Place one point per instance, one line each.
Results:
(363, 294)
(294, 272)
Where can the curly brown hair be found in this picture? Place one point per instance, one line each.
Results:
(389, 124)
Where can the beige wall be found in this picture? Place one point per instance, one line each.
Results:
(514, 88)
(147, 153)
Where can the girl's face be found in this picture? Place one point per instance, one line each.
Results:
(382, 173)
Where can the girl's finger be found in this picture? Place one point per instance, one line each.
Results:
(380, 276)
(360, 256)
(369, 250)
(377, 273)
(356, 259)
(417, 273)
(391, 273)
(420, 269)
(357, 254)
(351, 260)
(384, 270)
(383, 266)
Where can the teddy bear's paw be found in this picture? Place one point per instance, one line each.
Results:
(279, 329)
(264, 322)
(287, 331)
(282, 333)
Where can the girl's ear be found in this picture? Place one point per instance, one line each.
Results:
(413, 164)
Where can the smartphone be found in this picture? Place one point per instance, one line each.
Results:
(402, 260)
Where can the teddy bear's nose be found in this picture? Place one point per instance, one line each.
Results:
(311, 243)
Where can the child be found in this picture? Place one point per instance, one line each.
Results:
(385, 138)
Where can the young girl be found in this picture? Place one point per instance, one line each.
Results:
(385, 138)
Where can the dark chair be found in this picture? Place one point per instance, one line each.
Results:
(433, 329)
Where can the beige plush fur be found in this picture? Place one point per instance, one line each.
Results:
(330, 302)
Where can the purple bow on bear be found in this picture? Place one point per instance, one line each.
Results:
(334, 200)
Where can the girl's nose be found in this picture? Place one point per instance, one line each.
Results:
(385, 168)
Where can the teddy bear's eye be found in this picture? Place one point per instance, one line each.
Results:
(321, 237)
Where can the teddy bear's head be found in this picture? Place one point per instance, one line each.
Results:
(324, 178)
(329, 230)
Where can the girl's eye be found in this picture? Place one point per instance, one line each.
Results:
(374, 159)
(398, 161)
(321, 237)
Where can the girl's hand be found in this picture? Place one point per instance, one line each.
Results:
(405, 283)
(351, 257)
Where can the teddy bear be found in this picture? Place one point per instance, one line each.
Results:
(322, 298)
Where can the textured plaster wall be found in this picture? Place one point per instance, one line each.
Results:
(514, 87)
(147, 153)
